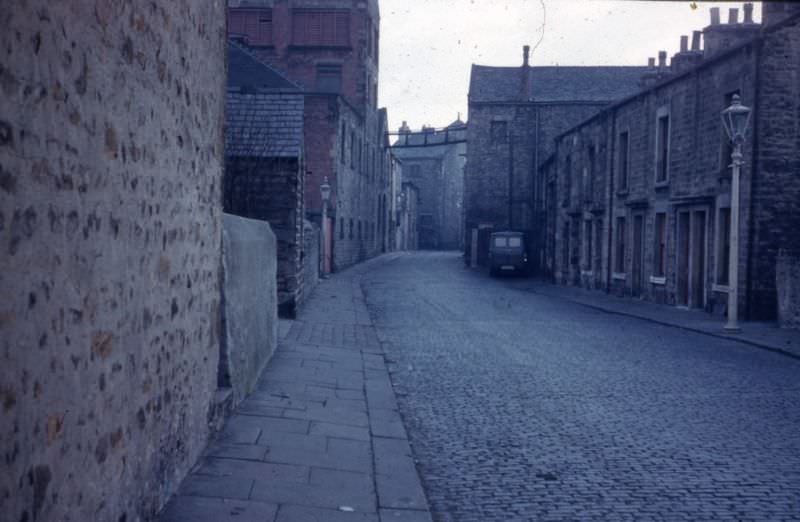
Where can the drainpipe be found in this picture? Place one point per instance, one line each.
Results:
(611, 179)
(753, 174)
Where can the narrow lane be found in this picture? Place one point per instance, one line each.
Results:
(522, 407)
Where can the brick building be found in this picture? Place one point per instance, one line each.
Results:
(638, 196)
(514, 115)
(264, 162)
(433, 160)
(331, 51)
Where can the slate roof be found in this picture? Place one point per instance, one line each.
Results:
(554, 83)
(246, 72)
(263, 110)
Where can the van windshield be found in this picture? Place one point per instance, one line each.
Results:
(500, 242)
(514, 241)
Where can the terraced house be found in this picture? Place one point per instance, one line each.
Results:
(639, 197)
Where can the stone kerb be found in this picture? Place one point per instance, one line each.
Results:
(788, 285)
(250, 302)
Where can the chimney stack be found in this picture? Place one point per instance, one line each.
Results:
(715, 16)
(684, 43)
(696, 40)
(651, 63)
(526, 52)
(733, 15)
(662, 59)
(404, 129)
(748, 13)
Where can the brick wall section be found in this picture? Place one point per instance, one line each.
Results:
(698, 181)
(110, 227)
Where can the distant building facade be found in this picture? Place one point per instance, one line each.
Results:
(638, 197)
(433, 160)
(514, 115)
(331, 50)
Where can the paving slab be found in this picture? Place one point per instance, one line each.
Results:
(202, 509)
(320, 439)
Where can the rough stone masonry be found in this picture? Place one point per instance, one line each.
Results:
(110, 227)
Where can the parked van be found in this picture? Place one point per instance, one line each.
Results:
(507, 253)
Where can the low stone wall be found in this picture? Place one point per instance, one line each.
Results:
(788, 284)
(250, 302)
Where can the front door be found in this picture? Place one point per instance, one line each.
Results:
(638, 255)
(698, 259)
(691, 264)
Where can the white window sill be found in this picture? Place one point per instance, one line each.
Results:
(587, 273)
(619, 276)
(720, 288)
(658, 280)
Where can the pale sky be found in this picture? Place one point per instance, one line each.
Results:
(427, 46)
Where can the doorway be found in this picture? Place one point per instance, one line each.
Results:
(637, 271)
(692, 237)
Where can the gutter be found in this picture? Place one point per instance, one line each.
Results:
(753, 175)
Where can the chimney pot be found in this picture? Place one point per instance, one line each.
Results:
(748, 13)
(684, 43)
(715, 16)
(526, 52)
(733, 15)
(651, 63)
(696, 40)
(662, 59)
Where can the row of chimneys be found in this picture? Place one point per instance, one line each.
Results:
(733, 15)
(717, 37)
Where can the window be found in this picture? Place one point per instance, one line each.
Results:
(587, 241)
(662, 147)
(568, 181)
(724, 246)
(660, 245)
(515, 242)
(500, 242)
(620, 251)
(623, 160)
(343, 154)
(352, 149)
(254, 25)
(341, 228)
(359, 230)
(589, 182)
(329, 78)
(317, 27)
(351, 228)
(499, 132)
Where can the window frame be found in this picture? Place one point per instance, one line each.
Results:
(662, 147)
(623, 161)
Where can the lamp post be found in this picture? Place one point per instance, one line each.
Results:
(325, 192)
(735, 119)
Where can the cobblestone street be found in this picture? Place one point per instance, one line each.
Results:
(525, 407)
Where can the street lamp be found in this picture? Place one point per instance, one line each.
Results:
(325, 192)
(735, 119)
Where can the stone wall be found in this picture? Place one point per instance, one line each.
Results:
(250, 303)
(776, 182)
(788, 284)
(111, 152)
